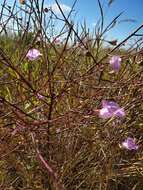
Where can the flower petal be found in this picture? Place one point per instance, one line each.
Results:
(110, 109)
(33, 54)
(104, 113)
(120, 112)
(130, 144)
(115, 63)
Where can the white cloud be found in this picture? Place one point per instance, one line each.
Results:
(94, 24)
(56, 9)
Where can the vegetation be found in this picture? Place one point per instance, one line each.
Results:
(51, 134)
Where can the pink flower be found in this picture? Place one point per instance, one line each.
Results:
(56, 40)
(115, 63)
(33, 54)
(39, 96)
(130, 144)
(110, 109)
(104, 113)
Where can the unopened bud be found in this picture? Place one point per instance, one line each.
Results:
(113, 42)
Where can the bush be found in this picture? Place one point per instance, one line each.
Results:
(55, 131)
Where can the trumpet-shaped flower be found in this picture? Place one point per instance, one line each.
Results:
(115, 63)
(130, 144)
(110, 109)
(33, 54)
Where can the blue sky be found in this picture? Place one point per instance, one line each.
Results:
(89, 10)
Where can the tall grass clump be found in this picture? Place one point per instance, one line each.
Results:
(71, 111)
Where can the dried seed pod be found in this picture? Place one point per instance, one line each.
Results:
(22, 2)
(46, 10)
